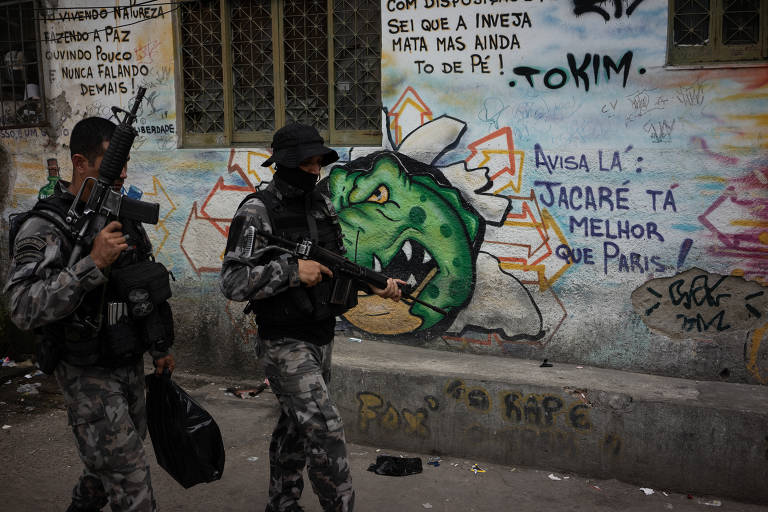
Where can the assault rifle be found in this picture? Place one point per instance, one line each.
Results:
(338, 264)
(105, 204)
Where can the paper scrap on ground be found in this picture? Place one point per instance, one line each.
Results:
(29, 388)
(553, 477)
(647, 491)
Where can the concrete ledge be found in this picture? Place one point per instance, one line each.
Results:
(660, 432)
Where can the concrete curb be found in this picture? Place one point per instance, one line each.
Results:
(661, 432)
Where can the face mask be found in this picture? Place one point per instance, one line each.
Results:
(296, 177)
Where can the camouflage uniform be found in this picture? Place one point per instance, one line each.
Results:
(105, 406)
(310, 430)
(108, 417)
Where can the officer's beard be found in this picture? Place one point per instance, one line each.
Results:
(298, 178)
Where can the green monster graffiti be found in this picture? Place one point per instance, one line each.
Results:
(398, 219)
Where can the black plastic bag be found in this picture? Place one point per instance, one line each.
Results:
(395, 466)
(186, 439)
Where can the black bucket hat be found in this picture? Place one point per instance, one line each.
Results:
(294, 143)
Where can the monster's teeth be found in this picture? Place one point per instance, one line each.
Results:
(411, 281)
(376, 264)
(427, 257)
(408, 250)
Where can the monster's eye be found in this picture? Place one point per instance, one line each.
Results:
(380, 195)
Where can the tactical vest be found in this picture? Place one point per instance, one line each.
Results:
(108, 328)
(291, 219)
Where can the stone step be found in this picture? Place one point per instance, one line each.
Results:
(668, 433)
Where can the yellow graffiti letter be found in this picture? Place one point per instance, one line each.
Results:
(369, 404)
(414, 422)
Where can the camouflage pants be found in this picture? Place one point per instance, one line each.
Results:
(107, 414)
(309, 430)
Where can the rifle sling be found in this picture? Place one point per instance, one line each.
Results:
(310, 219)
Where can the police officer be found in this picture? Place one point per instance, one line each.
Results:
(89, 339)
(296, 322)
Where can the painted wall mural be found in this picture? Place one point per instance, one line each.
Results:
(440, 228)
(445, 229)
(540, 172)
(97, 57)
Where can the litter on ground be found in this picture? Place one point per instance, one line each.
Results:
(29, 388)
(477, 469)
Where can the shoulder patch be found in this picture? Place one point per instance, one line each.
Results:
(29, 249)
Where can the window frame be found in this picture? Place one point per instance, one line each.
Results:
(40, 71)
(715, 53)
(230, 138)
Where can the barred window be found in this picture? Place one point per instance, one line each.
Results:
(249, 67)
(22, 103)
(717, 31)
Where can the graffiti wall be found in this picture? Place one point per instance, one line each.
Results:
(543, 179)
(595, 176)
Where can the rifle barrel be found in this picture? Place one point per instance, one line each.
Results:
(427, 304)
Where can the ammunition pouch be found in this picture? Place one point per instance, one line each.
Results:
(158, 327)
(145, 288)
(329, 298)
(121, 342)
(81, 345)
(142, 285)
(113, 345)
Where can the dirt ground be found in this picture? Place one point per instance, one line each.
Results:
(41, 465)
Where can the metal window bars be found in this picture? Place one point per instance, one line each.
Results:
(276, 61)
(741, 22)
(22, 99)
